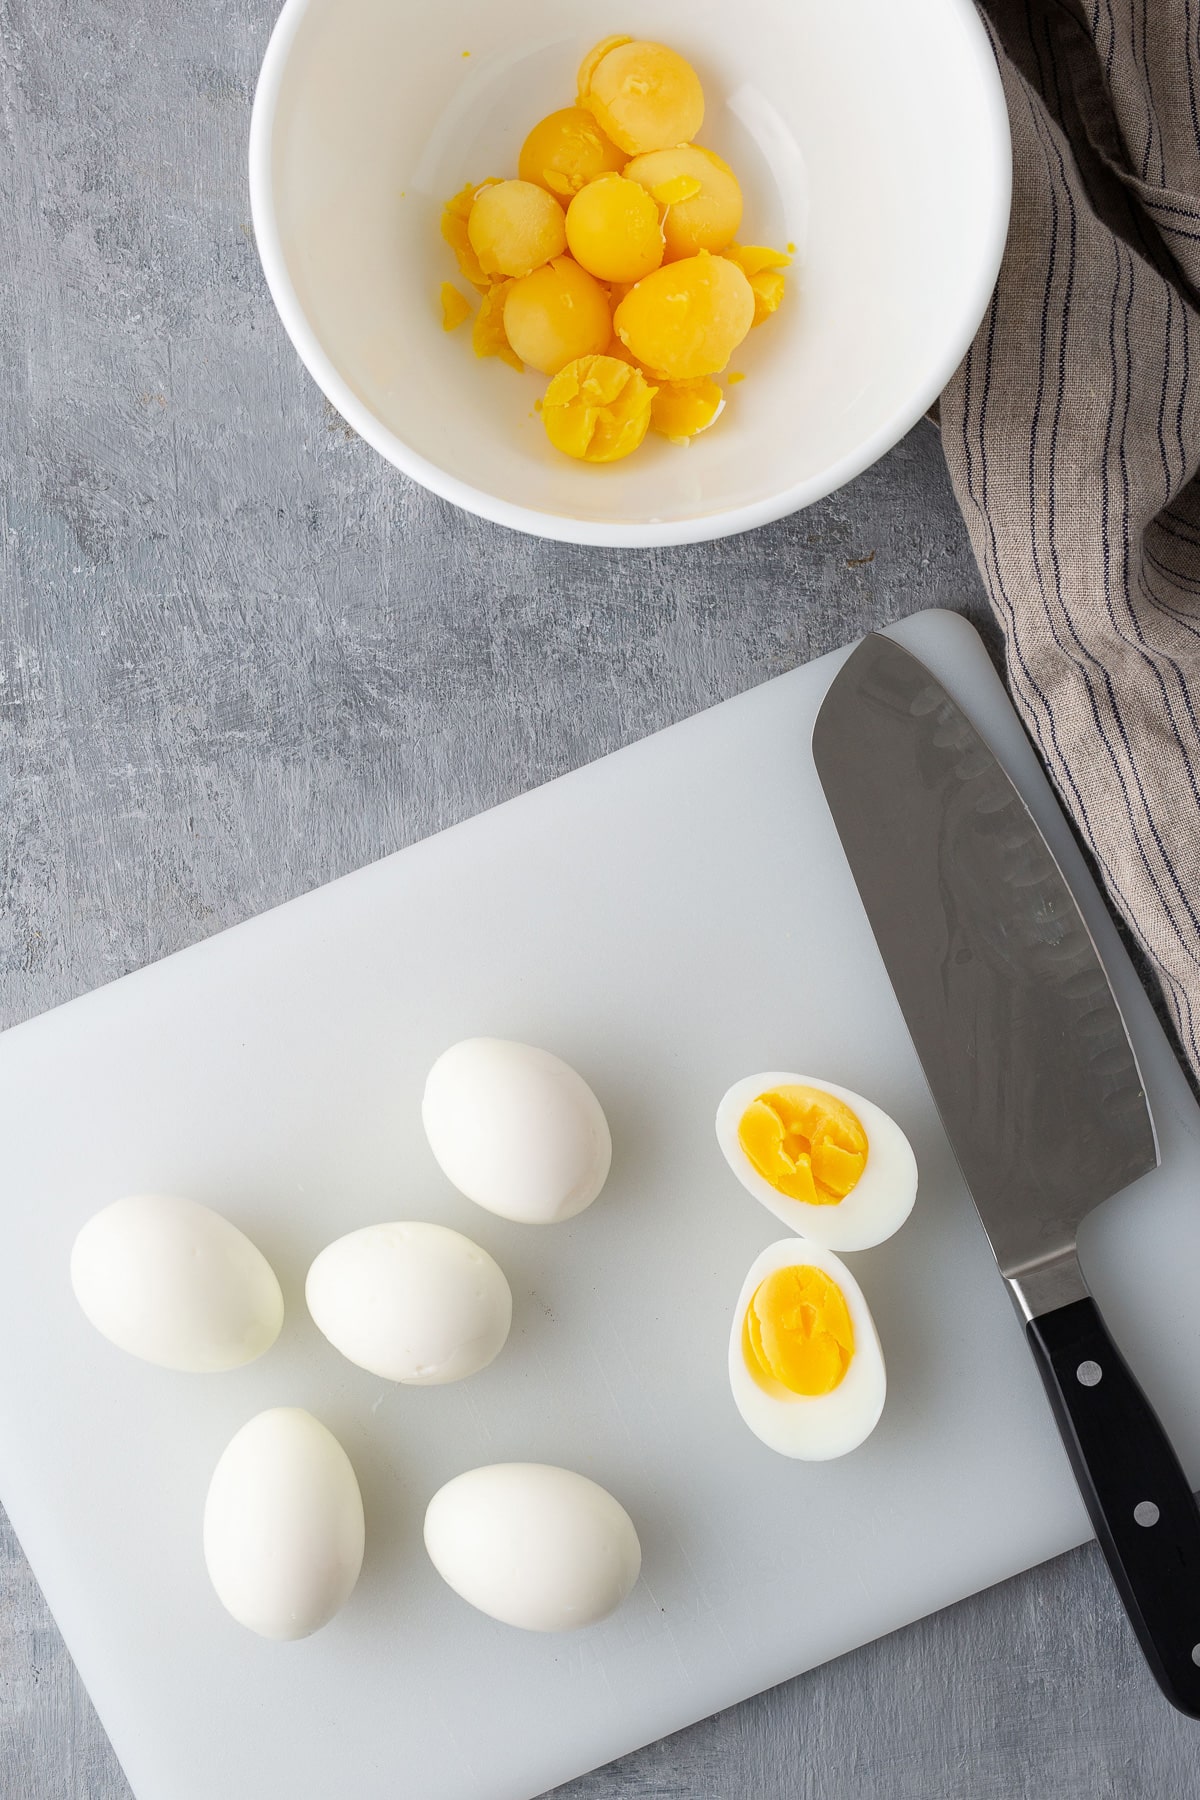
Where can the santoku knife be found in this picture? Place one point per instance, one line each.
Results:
(1033, 1073)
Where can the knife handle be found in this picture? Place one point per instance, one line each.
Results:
(1138, 1496)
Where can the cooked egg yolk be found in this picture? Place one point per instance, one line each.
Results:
(613, 229)
(515, 227)
(565, 151)
(752, 259)
(455, 214)
(680, 409)
(643, 96)
(762, 268)
(768, 292)
(597, 408)
(701, 195)
(798, 1332)
(488, 336)
(557, 314)
(687, 318)
(454, 307)
(806, 1143)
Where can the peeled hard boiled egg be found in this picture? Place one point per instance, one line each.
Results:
(516, 1130)
(532, 1545)
(826, 1162)
(411, 1302)
(176, 1284)
(283, 1525)
(805, 1364)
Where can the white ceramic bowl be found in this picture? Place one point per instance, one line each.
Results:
(870, 133)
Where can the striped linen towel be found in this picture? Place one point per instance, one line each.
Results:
(1072, 435)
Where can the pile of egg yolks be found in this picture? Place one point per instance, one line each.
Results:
(615, 244)
(806, 1143)
(797, 1331)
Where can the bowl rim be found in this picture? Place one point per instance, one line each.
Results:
(617, 534)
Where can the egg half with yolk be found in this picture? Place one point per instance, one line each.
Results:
(805, 1364)
(829, 1164)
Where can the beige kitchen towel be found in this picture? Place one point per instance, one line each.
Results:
(1072, 434)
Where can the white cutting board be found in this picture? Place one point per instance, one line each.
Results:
(668, 919)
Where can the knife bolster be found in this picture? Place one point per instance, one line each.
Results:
(1045, 1285)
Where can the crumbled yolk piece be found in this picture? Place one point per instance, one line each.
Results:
(752, 259)
(597, 408)
(797, 1331)
(642, 95)
(613, 229)
(805, 1142)
(454, 307)
(515, 227)
(701, 193)
(556, 315)
(566, 150)
(455, 214)
(762, 267)
(681, 409)
(675, 191)
(768, 292)
(488, 336)
(687, 318)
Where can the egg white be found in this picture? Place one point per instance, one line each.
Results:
(817, 1427)
(876, 1207)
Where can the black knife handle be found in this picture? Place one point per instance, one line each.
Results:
(1138, 1496)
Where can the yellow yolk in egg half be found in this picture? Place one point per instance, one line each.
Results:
(797, 1331)
(807, 1144)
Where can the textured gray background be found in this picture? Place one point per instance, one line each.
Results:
(239, 655)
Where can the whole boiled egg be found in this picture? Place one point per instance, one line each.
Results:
(516, 1130)
(411, 1302)
(805, 1364)
(175, 1283)
(828, 1164)
(283, 1525)
(532, 1545)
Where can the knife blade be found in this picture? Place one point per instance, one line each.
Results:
(1032, 1071)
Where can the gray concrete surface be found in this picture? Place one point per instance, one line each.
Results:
(239, 655)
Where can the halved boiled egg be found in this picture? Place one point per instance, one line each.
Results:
(826, 1162)
(805, 1364)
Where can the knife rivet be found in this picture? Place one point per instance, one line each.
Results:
(1146, 1513)
(1088, 1374)
(1196, 1655)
